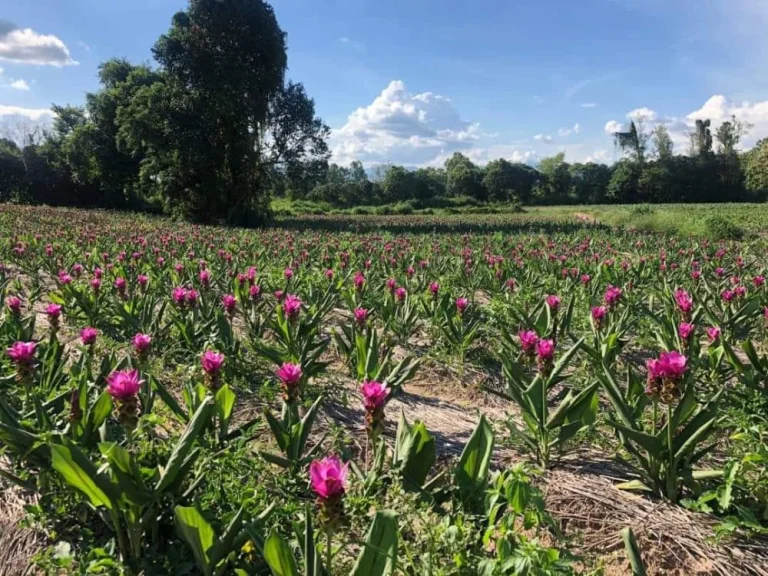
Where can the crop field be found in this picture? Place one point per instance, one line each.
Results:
(550, 392)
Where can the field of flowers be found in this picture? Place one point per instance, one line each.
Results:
(506, 394)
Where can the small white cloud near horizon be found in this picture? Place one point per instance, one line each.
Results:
(32, 114)
(568, 131)
(25, 46)
(20, 85)
(544, 138)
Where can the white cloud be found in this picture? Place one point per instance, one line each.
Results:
(544, 138)
(25, 46)
(642, 115)
(568, 131)
(20, 85)
(589, 105)
(401, 127)
(718, 109)
(601, 156)
(612, 126)
(33, 114)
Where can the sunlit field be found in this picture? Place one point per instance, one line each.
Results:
(556, 391)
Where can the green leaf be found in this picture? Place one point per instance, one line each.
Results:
(101, 410)
(634, 485)
(564, 360)
(279, 556)
(196, 532)
(379, 555)
(633, 552)
(80, 473)
(184, 445)
(472, 470)
(225, 402)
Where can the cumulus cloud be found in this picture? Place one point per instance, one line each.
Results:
(546, 138)
(20, 85)
(25, 46)
(642, 115)
(402, 127)
(601, 156)
(612, 126)
(32, 114)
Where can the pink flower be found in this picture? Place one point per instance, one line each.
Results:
(461, 305)
(120, 284)
(685, 330)
(255, 292)
(179, 295)
(88, 336)
(553, 302)
(528, 340)
(434, 288)
(359, 281)
(14, 304)
(361, 316)
(229, 303)
(279, 295)
(289, 374)
(191, 297)
(53, 311)
(391, 283)
(727, 295)
(654, 368)
(22, 353)
(713, 332)
(684, 301)
(141, 343)
(142, 279)
(205, 278)
(374, 395)
(585, 278)
(328, 477)
(96, 284)
(672, 365)
(612, 295)
(123, 384)
(212, 362)
(400, 294)
(288, 273)
(292, 306)
(758, 281)
(598, 313)
(545, 350)
(329, 274)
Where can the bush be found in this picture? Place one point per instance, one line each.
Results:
(642, 210)
(719, 228)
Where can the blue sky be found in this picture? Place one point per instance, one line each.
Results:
(412, 81)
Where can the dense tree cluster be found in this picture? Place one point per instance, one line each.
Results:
(215, 130)
(204, 136)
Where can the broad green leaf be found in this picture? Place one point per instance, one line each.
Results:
(196, 532)
(80, 473)
(379, 554)
(279, 556)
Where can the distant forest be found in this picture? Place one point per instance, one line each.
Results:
(215, 131)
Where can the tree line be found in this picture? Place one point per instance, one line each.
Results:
(713, 170)
(215, 130)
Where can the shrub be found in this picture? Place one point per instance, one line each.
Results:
(720, 228)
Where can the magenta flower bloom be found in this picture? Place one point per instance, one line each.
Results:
(553, 302)
(528, 340)
(713, 332)
(229, 302)
(655, 370)
(142, 279)
(758, 281)
(672, 365)
(585, 278)
(361, 316)
(685, 330)
(120, 284)
(292, 306)
(53, 311)
(255, 292)
(545, 350)
(400, 294)
(88, 336)
(14, 304)
(612, 295)
(22, 353)
(124, 384)
(328, 477)
(289, 374)
(212, 362)
(96, 284)
(142, 343)
(374, 395)
(434, 288)
(598, 313)
(359, 280)
(179, 295)
(391, 283)
(727, 295)
(191, 297)
(329, 274)
(461, 305)
(684, 301)
(288, 273)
